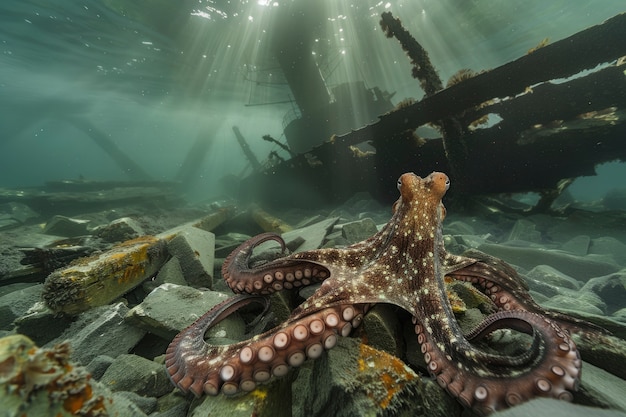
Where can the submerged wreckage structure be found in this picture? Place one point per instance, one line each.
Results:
(532, 124)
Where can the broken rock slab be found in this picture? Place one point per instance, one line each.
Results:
(136, 374)
(354, 379)
(66, 226)
(195, 250)
(101, 331)
(578, 267)
(313, 235)
(171, 308)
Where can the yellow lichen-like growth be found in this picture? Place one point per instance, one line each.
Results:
(540, 45)
(386, 370)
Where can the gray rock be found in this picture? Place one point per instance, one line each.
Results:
(313, 235)
(18, 212)
(65, 226)
(272, 399)
(171, 272)
(611, 246)
(177, 410)
(101, 331)
(548, 275)
(195, 250)
(41, 324)
(354, 380)
(579, 267)
(145, 404)
(170, 308)
(173, 404)
(610, 288)
(136, 374)
(563, 302)
(578, 245)
(120, 230)
(383, 329)
(602, 389)
(548, 407)
(458, 227)
(98, 366)
(17, 303)
(360, 230)
(525, 230)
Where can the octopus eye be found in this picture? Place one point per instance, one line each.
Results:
(447, 184)
(399, 183)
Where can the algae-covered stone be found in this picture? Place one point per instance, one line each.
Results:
(40, 382)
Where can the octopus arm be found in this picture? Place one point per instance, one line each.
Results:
(488, 382)
(194, 365)
(283, 273)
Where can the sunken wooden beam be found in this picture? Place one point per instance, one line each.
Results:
(423, 69)
(583, 50)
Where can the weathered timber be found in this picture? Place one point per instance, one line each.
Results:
(423, 69)
(100, 279)
(267, 222)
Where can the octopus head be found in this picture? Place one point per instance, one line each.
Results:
(430, 189)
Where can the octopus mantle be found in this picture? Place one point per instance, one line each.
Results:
(403, 264)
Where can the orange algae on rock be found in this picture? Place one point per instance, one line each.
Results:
(389, 374)
(33, 378)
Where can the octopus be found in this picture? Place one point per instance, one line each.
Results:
(404, 264)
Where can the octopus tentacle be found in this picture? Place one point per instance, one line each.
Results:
(282, 273)
(181, 361)
(200, 368)
(501, 283)
(551, 368)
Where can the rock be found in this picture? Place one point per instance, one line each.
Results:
(14, 214)
(17, 303)
(170, 308)
(136, 374)
(548, 275)
(65, 226)
(548, 407)
(145, 404)
(101, 331)
(195, 250)
(45, 382)
(41, 324)
(458, 227)
(313, 235)
(578, 245)
(383, 329)
(524, 230)
(120, 230)
(608, 245)
(171, 273)
(177, 410)
(602, 389)
(564, 303)
(610, 288)
(579, 267)
(360, 230)
(354, 379)
(269, 400)
(174, 404)
(98, 366)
